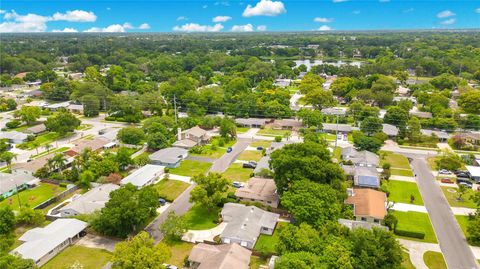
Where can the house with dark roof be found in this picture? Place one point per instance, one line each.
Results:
(169, 157)
(252, 122)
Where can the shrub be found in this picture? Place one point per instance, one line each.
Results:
(412, 234)
(278, 138)
(62, 184)
(13, 124)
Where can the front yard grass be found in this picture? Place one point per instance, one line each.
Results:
(407, 263)
(260, 143)
(452, 193)
(463, 223)
(434, 260)
(250, 155)
(211, 152)
(401, 172)
(40, 140)
(241, 130)
(272, 132)
(400, 191)
(237, 173)
(89, 258)
(266, 244)
(33, 197)
(170, 189)
(394, 159)
(180, 250)
(415, 221)
(199, 218)
(190, 168)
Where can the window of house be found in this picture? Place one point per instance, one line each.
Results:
(364, 219)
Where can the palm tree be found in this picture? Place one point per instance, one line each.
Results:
(59, 162)
(48, 146)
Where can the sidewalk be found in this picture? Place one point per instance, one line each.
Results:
(179, 178)
(462, 211)
(402, 178)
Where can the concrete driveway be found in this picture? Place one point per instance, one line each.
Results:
(96, 241)
(199, 236)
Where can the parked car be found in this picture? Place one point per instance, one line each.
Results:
(169, 266)
(446, 180)
(162, 201)
(250, 164)
(461, 174)
(260, 148)
(229, 149)
(444, 172)
(466, 184)
(237, 184)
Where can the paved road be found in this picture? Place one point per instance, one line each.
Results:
(182, 204)
(452, 242)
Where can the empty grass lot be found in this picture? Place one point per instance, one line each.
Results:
(33, 197)
(401, 172)
(272, 132)
(250, 155)
(237, 173)
(199, 218)
(211, 152)
(416, 221)
(41, 140)
(400, 192)
(89, 258)
(434, 260)
(180, 250)
(170, 189)
(260, 143)
(452, 194)
(395, 160)
(190, 168)
(268, 243)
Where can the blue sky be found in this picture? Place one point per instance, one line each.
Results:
(226, 16)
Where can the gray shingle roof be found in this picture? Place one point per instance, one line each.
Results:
(9, 181)
(226, 256)
(169, 155)
(390, 130)
(92, 200)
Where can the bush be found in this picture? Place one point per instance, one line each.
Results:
(278, 138)
(412, 234)
(62, 184)
(13, 124)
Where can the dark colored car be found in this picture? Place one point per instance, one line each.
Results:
(229, 149)
(162, 201)
(462, 174)
(260, 148)
(466, 184)
(249, 165)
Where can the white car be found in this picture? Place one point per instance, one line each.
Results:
(444, 172)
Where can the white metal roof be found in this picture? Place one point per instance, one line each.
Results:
(141, 176)
(473, 170)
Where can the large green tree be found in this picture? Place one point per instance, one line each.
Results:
(210, 190)
(62, 122)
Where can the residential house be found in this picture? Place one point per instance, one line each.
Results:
(95, 144)
(471, 138)
(287, 124)
(87, 203)
(360, 158)
(75, 108)
(36, 130)
(246, 223)
(29, 168)
(12, 183)
(259, 190)
(474, 173)
(402, 91)
(252, 122)
(42, 244)
(57, 106)
(390, 130)
(226, 256)
(368, 205)
(192, 137)
(442, 136)
(282, 82)
(169, 157)
(334, 111)
(14, 137)
(421, 114)
(366, 177)
(341, 128)
(354, 224)
(146, 175)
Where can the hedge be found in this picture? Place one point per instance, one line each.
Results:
(413, 234)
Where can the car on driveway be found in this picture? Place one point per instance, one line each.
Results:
(444, 172)
(237, 184)
(466, 184)
(446, 180)
(229, 149)
(250, 164)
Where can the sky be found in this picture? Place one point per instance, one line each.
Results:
(235, 16)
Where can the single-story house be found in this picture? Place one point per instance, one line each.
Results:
(262, 164)
(144, 176)
(259, 190)
(226, 256)
(14, 137)
(42, 244)
(34, 165)
(410, 98)
(354, 224)
(74, 108)
(402, 91)
(191, 137)
(421, 114)
(34, 93)
(287, 124)
(474, 173)
(368, 205)
(252, 122)
(333, 127)
(11, 183)
(87, 203)
(442, 136)
(246, 223)
(472, 138)
(56, 106)
(37, 129)
(334, 111)
(390, 130)
(282, 82)
(360, 158)
(169, 157)
(94, 144)
(366, 177)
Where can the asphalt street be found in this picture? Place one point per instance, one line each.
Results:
(451, 239)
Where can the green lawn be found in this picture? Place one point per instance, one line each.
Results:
(62, 149)
(434, 260)
(89, 258)
(401, 172)
(261, 143)
(256, 262)
(400, 191)
(432, 163)
(272, 132)
(328, 136)
(415, 221)
(241, 130)
(237, 173)
(451, 195)
(43, 139)
(395, 160)
(211, 152)
(463, 223)
(180, 250)
(407, 263)
(33, 197)
(268, 243)
(337, 153)
(250, 155)
(199, 218)
(191, 168)
(170, 189)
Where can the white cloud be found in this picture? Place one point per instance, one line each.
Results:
(204, 6)
(445, 14)
(477, 10)
(23, 23)
(221, 18)
(222, 3)
(262, 28)
(2, 11)
(356, 12)
(144, 26)
(265, 8)
(109, 8)
(242, 28)
(65, 30)
(339, 1)
(75, 16)
(114, 28)
(182, 18)
(195, 27)
(324, 28)
(449, 21)
(323, 20)
(128, 26)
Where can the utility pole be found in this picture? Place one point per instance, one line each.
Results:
(175, 107)
(18, 196)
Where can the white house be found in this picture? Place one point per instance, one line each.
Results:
(42, 244)
(146, 175)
